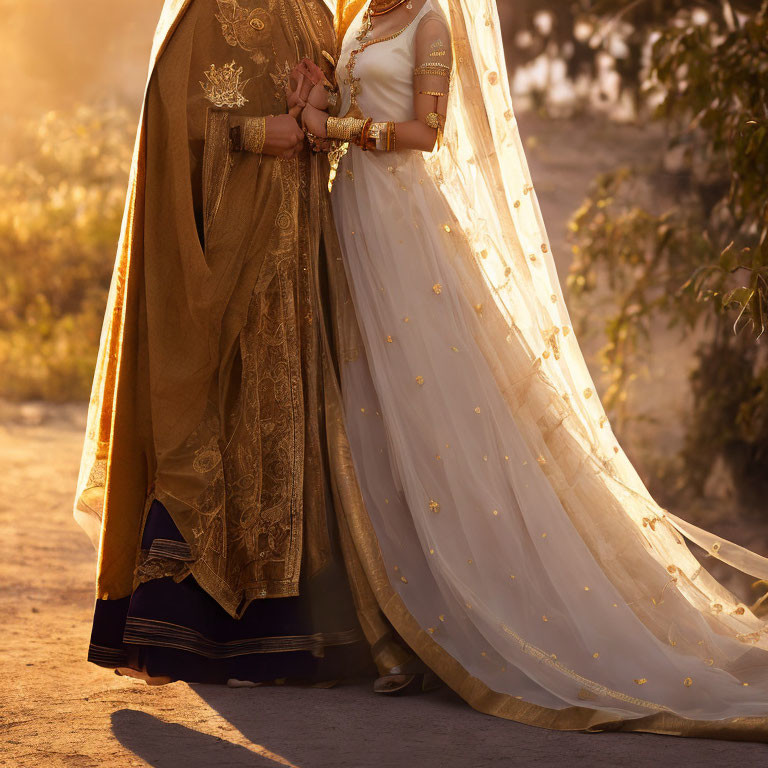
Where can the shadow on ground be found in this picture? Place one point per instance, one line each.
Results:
(350, 727)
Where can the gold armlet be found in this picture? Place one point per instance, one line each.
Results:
(433, 93)
(436, 121)
(437, 49)
(344, 128)
(433, 69)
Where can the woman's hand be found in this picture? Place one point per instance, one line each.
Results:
(314, 121)
(310, 70)
(318, 97)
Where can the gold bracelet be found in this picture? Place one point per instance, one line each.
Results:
(377, 133)
(433, 93)
(344, 128)
(383, 136)
(391, 138)
(254, 134)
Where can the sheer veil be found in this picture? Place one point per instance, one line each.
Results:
(526, 336)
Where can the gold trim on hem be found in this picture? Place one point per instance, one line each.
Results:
(168, 635)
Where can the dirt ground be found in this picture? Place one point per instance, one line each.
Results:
(57, 710)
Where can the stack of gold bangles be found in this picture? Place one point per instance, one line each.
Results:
(363, 132)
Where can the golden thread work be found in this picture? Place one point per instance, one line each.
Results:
(224, 88)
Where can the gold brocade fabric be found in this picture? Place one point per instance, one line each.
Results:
(207, 390)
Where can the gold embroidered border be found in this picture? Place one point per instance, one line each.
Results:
(167, 635)
(106, 657)
(590, 685)
(174, 550)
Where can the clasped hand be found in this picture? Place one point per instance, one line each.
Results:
(307, 101)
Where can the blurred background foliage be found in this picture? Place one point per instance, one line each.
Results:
(61, 205)
(695, 256)
(677, 241)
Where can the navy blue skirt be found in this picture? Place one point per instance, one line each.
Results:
(178, 630)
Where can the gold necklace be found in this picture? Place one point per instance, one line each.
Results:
(388, 8)
(367, 23)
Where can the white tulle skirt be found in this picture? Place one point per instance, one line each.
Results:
(537, 604)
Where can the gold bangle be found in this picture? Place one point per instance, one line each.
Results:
(377, 133)
(363, 139)
(344, 128)
(391, 138)
(254, 134)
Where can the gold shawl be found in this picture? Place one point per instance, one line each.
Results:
(207, 388)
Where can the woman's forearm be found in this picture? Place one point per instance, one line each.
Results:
(382, 136)
(414, 134)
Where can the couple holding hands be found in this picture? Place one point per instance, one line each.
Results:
(340, 421)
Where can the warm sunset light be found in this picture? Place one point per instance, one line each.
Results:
(383, 383)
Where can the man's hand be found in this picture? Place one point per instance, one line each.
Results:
(305, 76)
(283, 138)
(296, 98)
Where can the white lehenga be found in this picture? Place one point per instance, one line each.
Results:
(513, 527)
